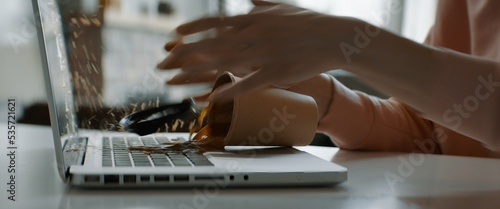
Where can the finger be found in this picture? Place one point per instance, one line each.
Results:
(209, 60)
(282, 8)
(227, 63)
(210, 45)
(173, 61)
(213, 22)
(263, 3)
(197, 63)
(167, 63)
(171, 44)
(229, 59)
(192, 78)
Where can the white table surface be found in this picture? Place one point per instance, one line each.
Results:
(433, 181)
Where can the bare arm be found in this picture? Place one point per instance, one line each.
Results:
(456, 90)
(291, 45)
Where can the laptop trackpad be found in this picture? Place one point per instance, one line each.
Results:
(268, 159)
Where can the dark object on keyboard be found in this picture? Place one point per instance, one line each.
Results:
(149, 121)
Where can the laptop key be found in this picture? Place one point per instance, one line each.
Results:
(181, 163)
(148, 141)
(134, 141)
(123, 163)
(163, 165)
(162, 139)
(181, 139)
(160, 156)
(198, 159)
(143, 164)
(107, 164)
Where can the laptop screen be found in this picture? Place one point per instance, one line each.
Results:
(58, 80)
(57, 74)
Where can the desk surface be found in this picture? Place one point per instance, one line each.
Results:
(376, 180)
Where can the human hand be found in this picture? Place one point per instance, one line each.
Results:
(282, 45)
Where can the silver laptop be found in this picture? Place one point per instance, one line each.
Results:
(95, 158)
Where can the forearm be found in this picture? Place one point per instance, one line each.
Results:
(452, 89)
(394, 65)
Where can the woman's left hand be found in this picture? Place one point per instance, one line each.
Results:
(275, 44)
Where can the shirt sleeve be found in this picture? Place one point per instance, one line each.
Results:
(358, 121)
(464, 97)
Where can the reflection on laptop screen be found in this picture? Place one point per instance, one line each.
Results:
(111, 51)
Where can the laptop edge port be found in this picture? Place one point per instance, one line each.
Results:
(111, 179)
(93, 179)
(129, 179)
(162, 178)
(181, 178)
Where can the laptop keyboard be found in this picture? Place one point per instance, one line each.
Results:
(116, 153)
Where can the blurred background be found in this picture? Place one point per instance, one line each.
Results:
(114, 45)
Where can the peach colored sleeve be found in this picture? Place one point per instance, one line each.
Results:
(465, 97)
(358, 121)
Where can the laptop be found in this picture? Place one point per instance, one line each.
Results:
(98, 158)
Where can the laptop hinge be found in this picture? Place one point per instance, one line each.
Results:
(74, 152)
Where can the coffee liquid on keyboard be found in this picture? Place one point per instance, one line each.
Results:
(209, 138)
